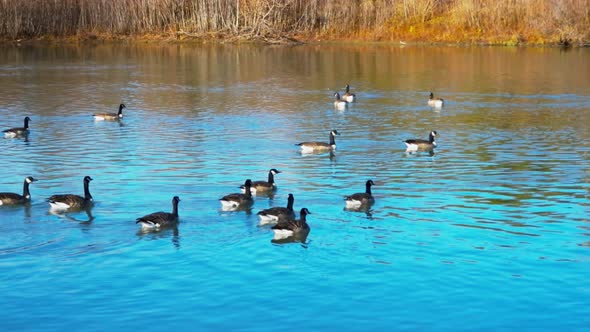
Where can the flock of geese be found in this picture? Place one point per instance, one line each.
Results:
(285, 223)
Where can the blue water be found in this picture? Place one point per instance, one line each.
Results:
(489, 233)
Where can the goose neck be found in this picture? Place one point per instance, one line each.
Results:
(332, 139)
(87, 195)
(175, 208)
(26, 193)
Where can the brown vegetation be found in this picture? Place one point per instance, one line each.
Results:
(471, 21)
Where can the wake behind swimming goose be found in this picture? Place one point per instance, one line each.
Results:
(263, 186)
(310, 147)
(358, 200)
(413, 145)
(14, 198)
(236, 201)
(157, 220)
(339, 103)
(435, 102)
(110, 116)
(278, 213)
(63, 202)
(348, 96)
(18, 131)
(297, 227)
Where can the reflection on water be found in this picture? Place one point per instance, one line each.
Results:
(499, 212)
(170, 233)
(295, 238)
(80, 215)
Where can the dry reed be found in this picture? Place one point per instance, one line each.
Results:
(429, 20)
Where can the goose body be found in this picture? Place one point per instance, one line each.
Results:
(339, 103)
(14, 198)
(18, 131)
(263, 186)
(435, 102)
(71, 201)
(421, 144)
(238, 200)
(348, 96)
(357, 200)
(160, 219)
(278, 213)
(110, 116)
(319, 146)
(294, 227)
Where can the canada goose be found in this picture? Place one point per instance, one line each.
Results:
(18, 131)
(421, 144)
(14, 198)
(278, 213)
(349, 97)
(71, 201)
(357, 200)
(435, 102)
(110, 116)
(263, 186)
(238, 200)
(319, 146)
(292, 227)
(338, 102)
(160, 219)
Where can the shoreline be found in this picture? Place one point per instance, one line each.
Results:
(215, 38)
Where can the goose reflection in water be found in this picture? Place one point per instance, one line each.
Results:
(26, 208)
(429, 153)
(361, 209)
(320, 154)
(296, 238)
(70, 215)
(161, 233)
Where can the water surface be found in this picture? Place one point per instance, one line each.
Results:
(491, 232)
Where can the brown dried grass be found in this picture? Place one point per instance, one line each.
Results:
(502, 21)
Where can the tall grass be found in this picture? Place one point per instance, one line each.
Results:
(418, 19)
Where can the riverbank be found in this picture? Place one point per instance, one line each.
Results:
(469, 39)
(475, 22)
